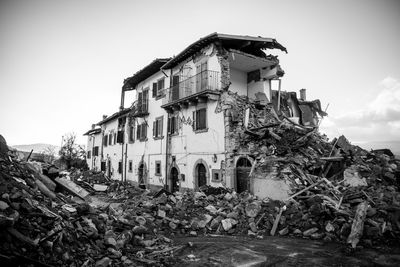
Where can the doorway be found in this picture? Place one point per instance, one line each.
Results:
(174, 180)
(201, 175)
(141, 174)
(243, 168)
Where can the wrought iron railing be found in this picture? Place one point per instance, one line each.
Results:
(141, 107)
(205, 80)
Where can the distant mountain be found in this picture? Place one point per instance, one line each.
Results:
(394, 146)
(37, 148)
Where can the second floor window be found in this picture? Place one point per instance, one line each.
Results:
(131, 134)
(96, 151)
(89, 153)
(105, 140)
(141, 132)
(158, 127)
(158, 87)
(110, 136)
(173, 126)
(143, 101)
(200, 119)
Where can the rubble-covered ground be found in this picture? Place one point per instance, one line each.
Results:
(339, 193)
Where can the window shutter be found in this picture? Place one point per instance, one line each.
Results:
(154, 89)
(154, 128)
(202, 119)
(144, 127)
(194, 120)
(138, 131)
(161, 126)
(169, 125)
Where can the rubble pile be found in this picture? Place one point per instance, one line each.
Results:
(41, 226)
(327, 180)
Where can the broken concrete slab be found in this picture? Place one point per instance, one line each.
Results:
(72, 187)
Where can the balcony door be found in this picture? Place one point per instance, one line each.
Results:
(175, 87)
(201, 77)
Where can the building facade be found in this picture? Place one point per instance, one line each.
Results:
(177, 133)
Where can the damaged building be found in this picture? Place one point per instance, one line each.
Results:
(187, 126)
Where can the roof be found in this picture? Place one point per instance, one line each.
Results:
(227, 40)
(93, 131)
(114, 116)
(155, 66)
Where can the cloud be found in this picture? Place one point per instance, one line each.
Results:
(379, 121)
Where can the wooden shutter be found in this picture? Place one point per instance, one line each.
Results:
(144, 128)
(154, 128)
(154, 89)
(194, 120)
(202, 119)
(160, 126)
(169, 125)
(138, 129)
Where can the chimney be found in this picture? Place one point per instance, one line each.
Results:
(93, 125)
(104, 117)
(303, 94)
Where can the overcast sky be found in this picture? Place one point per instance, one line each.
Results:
(62, 63)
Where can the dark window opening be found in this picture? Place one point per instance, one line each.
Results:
(96, 151)
(158, 168)
(130, 168)
(200, 119)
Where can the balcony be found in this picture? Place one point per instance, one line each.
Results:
(141, 108)
(193, 89)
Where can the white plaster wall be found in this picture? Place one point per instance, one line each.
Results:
(275, 189)
(114, 151)
(152, 149)
(190, 146)
(238, 81)
(256, 87)
(95, 161)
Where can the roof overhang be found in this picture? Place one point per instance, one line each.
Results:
(93, 131)
(240, 42)
(155, 66)
(114, 116)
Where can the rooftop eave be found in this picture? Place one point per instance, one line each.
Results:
(227, 40)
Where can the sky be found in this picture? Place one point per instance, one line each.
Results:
(62, 63)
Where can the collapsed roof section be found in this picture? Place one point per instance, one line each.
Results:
(247, 44)
(155, 66)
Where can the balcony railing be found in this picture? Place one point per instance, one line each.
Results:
(141, 108)
(203, 81)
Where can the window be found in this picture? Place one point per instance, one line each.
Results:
(200, 119)
(143, 98)
(158, 168)
(130, 168)
(89, 154)
(158, 127)
(131, 134)
(173, 126)
(120, 167)
(110, 139)
(141, 132)
(96, 151)
(158, 87)
(105, 140)
(103, 166)
(216, 175)
(120, 137)
(115, 138)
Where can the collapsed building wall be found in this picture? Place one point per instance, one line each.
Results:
(271, 139)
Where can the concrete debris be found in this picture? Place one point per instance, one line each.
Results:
(133, 226)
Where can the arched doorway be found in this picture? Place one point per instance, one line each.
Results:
(201, 175)
(243, 167)
(174, 186)
(141, 175)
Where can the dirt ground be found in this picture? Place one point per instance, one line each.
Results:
(276, 251)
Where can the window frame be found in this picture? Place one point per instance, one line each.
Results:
(95, 151)
(196, 120)
(173, 124)
(158, 128)
(141, 132)
(130, 166)
(156, 172)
